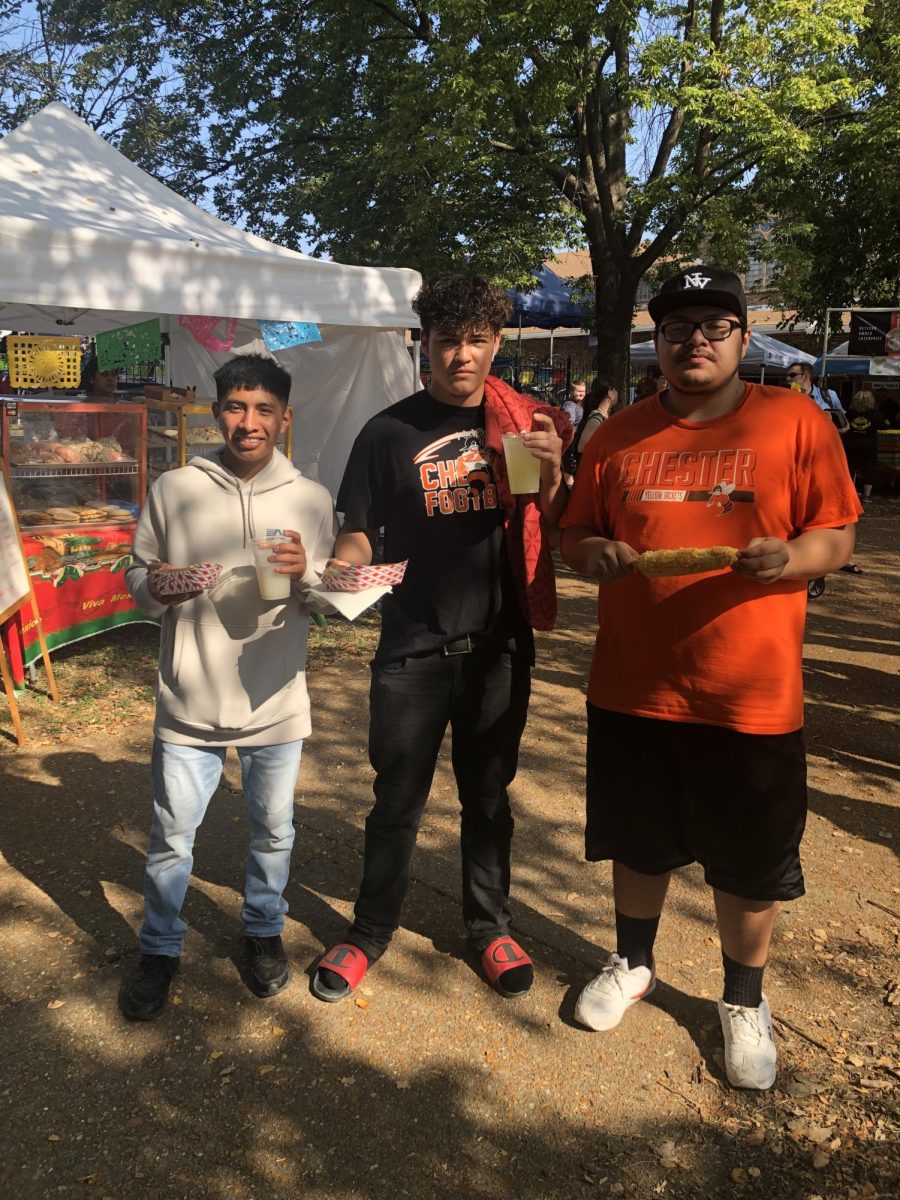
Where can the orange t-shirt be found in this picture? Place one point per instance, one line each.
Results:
(717, 648)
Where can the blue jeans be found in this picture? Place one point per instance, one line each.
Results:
(184, 779)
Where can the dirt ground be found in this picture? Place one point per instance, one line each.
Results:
(430, 1085)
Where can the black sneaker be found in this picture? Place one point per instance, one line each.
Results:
(267, 965)
(144, 996)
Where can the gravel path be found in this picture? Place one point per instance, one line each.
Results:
(430, 1085)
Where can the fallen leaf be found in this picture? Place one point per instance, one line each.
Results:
(264, 1070)
(855, 1060)
(56, 1004)
(216, 1054)
(52, 1137)
(820, 1160)
(802, 1086)
(226, 1070)
(277, 1031)
(755, 1137)
(739, 1175)
(754, 1172)
(818, 1134)
(361, 1002)
(347, 1080)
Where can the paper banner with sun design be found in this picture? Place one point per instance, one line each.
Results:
(43, 362)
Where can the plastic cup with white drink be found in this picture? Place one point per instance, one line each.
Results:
(522, 469)
(272, 584)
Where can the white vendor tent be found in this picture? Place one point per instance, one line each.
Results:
(89, 242)
(763, 351)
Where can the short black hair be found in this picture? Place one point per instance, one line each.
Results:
(461, 304)
(805, 367)
(246, 372)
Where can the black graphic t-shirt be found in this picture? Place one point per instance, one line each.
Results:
(421, 470)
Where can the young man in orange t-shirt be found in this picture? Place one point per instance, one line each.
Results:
(695, 701)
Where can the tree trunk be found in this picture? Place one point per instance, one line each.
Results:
(614, 300)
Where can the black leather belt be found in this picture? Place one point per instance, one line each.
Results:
(463, 645)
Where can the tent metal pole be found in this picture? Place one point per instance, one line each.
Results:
(823, 372)
(519, 353)
(762, 372)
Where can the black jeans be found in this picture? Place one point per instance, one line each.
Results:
(483, 696)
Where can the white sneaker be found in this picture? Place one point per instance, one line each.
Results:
(603, 1002)
(749, 1046)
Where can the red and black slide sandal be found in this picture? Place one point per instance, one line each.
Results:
(499, 958)
(344, 960)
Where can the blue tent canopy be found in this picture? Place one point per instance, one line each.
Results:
(548, 306)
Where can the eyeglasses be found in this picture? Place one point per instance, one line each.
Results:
(796, 375)
(714, 329)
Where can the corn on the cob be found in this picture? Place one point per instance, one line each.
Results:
(654, 563)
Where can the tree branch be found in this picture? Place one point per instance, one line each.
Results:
(423, 31)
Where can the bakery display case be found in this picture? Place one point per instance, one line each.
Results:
(78, 473)
(74, 464)
(180, 429)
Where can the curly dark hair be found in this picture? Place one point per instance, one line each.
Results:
(461, 303)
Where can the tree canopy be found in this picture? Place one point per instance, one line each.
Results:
(472, 135)
(839, 209)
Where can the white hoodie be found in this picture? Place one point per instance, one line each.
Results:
(231, 665)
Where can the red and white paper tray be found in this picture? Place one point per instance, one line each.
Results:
(356, 578)
(173, 581)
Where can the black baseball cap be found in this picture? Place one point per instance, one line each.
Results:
(699, 285)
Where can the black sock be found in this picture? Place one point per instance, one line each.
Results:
(743, 985)
(634, 939)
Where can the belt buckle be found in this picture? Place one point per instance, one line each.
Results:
(454, 653)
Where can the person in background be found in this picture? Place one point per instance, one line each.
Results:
(861, 442)
(97, 384)
(801, 375)
(573, 407)
(695, 700)
(648, 386)
(600, 400)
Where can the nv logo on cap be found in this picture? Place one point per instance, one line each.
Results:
(696, 280)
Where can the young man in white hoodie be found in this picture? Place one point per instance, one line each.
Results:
(231, 668)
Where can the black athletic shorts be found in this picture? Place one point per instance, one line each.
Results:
(662, 794)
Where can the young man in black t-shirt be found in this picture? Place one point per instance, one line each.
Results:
(455, 645)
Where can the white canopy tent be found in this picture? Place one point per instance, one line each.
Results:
(89, 242)
(763, 351)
